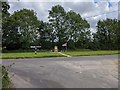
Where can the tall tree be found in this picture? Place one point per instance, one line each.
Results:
(106, 35)
(77, 27)
(45, 38)
(57, 20)
(118, 34)
(68, 26)
(5, 8)
(27, 24)
(11, 35)
(5, 21)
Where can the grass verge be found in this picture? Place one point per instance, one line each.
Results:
(22, 55)
(91, 53)
(19, 55)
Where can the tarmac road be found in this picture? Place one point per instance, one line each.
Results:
(65, 72)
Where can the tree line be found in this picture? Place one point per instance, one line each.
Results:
(22, 29)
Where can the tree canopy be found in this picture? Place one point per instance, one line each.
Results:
(20, 29)
(23, 29)
(67, 26)
(106, 35)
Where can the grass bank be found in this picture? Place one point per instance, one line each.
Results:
(91, 53)
(17, 55)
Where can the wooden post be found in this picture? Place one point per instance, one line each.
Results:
(35, 50)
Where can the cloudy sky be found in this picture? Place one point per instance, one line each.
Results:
(91, 10)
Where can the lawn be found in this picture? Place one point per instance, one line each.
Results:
(30, 55)
(17, 55)
(90, 53)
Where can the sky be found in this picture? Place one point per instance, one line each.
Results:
(91, 10)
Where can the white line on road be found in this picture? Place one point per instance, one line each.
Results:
(64, 54)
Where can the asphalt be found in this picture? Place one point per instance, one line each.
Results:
(64, 72)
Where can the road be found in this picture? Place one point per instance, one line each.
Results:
(65, 72)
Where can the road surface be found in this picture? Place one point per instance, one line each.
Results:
(65, 72)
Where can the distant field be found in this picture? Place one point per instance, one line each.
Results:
(90, 53)
(29, 55)
(17, 55)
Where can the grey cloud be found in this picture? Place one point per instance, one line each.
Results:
(86, 9)
(81, 7)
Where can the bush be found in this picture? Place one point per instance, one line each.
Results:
(5, 79)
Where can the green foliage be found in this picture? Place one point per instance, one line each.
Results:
(68, 26)
(28, 24)
(107, 33)
(10, 36)
(5, 79)
(57, 21)
(45, 38)
(5, 8)
(23, 29)
(78, 30)
(20, 30)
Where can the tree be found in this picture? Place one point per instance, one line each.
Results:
(11, 35)
(106, 35)
(5, 23)
(57, 20)
(68, 27)
(19, 29)
(78, 32)
(118, 34)
(5, 8)
(26, 24)
(45, 38)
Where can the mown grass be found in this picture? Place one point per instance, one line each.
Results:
(18, 55)
(30, 55)
(91, 53)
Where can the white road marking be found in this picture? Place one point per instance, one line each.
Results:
(64, 54)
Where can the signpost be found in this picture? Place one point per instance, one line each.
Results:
(35, 48)
(65, 46)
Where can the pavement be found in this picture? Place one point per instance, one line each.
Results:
(65, 72)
